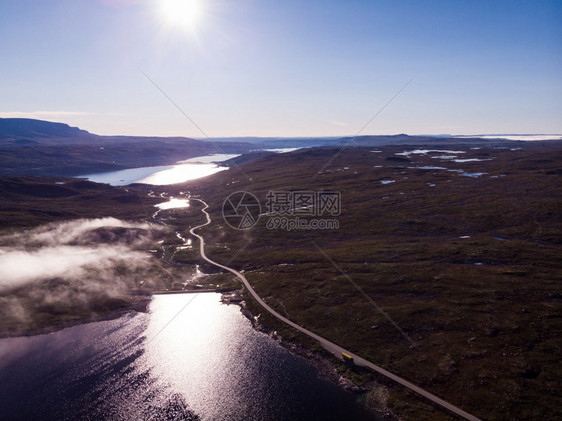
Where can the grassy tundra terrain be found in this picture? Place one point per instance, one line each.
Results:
(26, 202)
(463, 256)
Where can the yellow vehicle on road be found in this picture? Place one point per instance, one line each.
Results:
(347, 358)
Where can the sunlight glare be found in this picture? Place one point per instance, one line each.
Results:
(182, 12)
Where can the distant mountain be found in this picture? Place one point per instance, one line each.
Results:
(43, 148)
(26, 127)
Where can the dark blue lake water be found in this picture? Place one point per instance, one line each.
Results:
(191, 357)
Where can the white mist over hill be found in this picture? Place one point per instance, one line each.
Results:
(72, 265)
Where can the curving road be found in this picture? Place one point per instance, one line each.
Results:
(328, 345)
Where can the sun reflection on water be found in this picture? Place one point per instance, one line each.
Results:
(173, 203)
(180, 173)
(189, 355)
(190, 341)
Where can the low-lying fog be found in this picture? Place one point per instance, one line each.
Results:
(76, 268)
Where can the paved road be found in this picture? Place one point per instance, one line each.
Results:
(328, 345)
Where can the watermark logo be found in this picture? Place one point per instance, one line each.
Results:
(241, 210)
(299, 210)
(303, 203)
(296, 223)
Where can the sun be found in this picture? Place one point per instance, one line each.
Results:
(184, 13)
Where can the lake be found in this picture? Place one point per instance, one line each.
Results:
(190, 357)
(189, 169)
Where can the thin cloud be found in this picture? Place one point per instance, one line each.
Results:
(337, 123)
(43, 114)
(52, 114)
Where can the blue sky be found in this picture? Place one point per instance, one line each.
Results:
(285, 67)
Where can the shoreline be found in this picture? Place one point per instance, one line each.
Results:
(375, 393)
